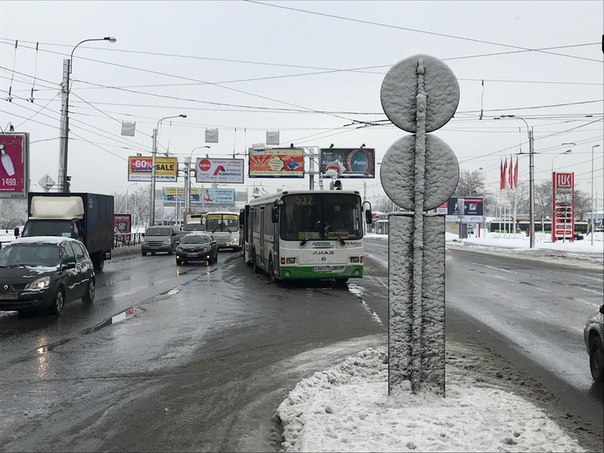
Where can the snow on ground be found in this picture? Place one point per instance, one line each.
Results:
(347, 408)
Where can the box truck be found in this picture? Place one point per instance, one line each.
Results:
(87, 217)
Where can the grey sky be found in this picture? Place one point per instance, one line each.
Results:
(274, 57)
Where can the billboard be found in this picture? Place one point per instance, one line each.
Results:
(209, 170)
(347, 162)
(122, 224)
(14, 169)
(473, 210)
(276, 163)
(209, 196)
(139, 169)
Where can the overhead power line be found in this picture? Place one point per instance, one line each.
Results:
(415, 30)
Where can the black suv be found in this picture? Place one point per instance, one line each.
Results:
(40, 274)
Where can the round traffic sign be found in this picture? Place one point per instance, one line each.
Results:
(441, 172)
(399, 92)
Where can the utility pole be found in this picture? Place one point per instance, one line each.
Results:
(64, 139)
(63, 185)
(152, 195)
(531, 190)
(187, 184)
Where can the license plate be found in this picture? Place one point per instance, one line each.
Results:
(323, 269)
(192, 255)
(9, 296)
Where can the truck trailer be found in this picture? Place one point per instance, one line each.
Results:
(87, 217)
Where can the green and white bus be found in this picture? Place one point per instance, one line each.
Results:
(306, 234)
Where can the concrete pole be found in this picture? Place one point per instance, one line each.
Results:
(531, 191)
(187, 184)
(152, 200)
(62, 179)
(592, 195)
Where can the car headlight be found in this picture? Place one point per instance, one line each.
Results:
(39, 284)
(167, 242)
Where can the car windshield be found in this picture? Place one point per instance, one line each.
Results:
(43, 255)
(159, 232)
(195, 239)
(49, 228)
(195, 227)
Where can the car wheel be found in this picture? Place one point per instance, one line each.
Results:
(57, 304)
(152, 253)
(216, 256)
(596, 359)
(90, 292)
(100, 263)
(144, 253)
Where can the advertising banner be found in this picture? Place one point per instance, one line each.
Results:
(209, 196)
(139, 169)
(171, 194)
(347, 162)
(122, 224)
(14, 169)
(217, 196)
(276, 163)
(209, 170)
(471, 206)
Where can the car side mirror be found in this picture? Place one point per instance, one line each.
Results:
(275, 214)
(69, 265)
(16, 232)
(602, 309)
(368, 217)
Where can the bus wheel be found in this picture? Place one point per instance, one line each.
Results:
(255, 262)
(271, 270)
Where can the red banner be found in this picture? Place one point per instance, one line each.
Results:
(13, 165)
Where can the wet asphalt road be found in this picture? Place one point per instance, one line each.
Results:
(201, 363)
(209, 352)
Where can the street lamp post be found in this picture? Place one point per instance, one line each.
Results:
(531, 180)
(559, 154)
(65, 89)
(154, 155)
(592, 195)
(188, 178)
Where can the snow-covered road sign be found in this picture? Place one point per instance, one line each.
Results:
(419, 94)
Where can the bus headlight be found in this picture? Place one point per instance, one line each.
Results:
(290, 260)
(355, 259)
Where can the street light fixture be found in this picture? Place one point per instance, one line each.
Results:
(154, 154)
(592, 195)
(531, 179)
(65, 89)
(557, 155)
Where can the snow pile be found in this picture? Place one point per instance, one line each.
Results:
(347, 408)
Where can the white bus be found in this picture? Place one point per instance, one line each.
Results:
(224, 226)
(306, 234)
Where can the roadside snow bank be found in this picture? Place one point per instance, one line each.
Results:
(347, 408)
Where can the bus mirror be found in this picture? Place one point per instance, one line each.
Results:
(368, 217)
(275, 214)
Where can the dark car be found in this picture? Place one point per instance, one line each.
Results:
(41, 274)
(197, 247)
(159, 238)
(593, 334)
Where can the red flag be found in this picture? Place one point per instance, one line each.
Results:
(516, 173)
(511, 175)
(503, 169)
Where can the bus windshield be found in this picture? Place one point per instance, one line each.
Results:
(321, 216)
(228, 223)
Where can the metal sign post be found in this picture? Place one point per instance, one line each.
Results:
(419, 172)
